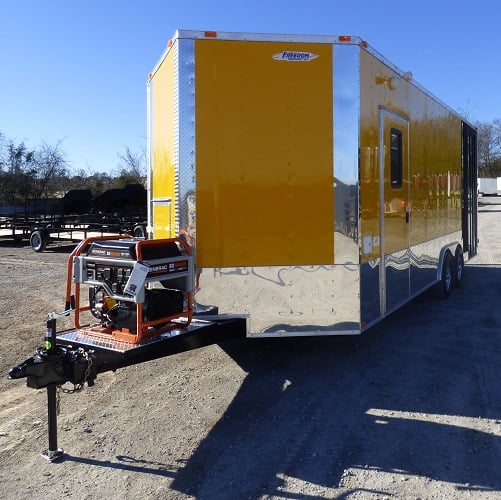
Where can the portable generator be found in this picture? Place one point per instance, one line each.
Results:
(135, 288)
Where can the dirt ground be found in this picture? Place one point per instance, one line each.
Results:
(411, 409)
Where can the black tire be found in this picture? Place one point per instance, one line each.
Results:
(139, 231)
(39, 239)
(458, 267)
(444, 286)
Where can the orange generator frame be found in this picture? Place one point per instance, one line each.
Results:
(136, 288)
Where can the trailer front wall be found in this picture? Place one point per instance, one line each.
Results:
(277, 222)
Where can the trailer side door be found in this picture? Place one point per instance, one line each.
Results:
(394, 210)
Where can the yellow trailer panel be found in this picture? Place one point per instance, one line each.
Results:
(264, 154)
(163, 129)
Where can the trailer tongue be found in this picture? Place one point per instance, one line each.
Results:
(139, 307)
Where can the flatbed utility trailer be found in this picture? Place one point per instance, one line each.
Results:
(320, 186)
(76, 216)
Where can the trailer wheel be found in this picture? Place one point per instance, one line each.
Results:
(39, 239)
(139, 231)
(458, 267)
(444, 286)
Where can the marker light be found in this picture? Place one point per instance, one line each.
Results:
(344, 38)
(210, 34)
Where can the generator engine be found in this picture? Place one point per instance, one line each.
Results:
(136, 288)
(121, 314)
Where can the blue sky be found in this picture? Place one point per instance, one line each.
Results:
(75, 70)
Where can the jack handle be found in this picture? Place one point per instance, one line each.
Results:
(69, 308)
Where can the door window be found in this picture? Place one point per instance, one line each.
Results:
(396, 158)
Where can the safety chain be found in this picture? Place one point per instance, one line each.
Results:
(79, 387)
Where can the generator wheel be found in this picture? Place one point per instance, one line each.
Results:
(39, 239)
(139, 231)
(444, 286)
(458, 267)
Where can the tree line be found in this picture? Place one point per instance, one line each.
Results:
(44, 172)
(489, 148)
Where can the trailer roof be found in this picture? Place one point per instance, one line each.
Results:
(277, 37)
(268, 37)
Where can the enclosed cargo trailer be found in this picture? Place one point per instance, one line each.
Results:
(319, 186)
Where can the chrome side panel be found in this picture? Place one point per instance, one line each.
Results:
(149, 158)
(346, 88)
(346, 176)
(426, 263)
(185, 186)
(397, 276)
(305, 300)
(370, 297)
(425, 270)
(171, 141)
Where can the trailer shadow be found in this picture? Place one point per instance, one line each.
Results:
(484, 204)
(417, 395)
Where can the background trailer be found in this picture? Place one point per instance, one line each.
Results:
(319, 186)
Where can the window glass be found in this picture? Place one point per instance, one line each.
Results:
(396, 158)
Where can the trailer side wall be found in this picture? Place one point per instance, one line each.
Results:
(163, 145)
(413, 220)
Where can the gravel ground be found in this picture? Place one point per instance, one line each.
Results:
(411, 409)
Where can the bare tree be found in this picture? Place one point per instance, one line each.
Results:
(51, 169)
(131, 168)
(30, 174)
(17, 171)
(489, 148)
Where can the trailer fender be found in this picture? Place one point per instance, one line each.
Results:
(139, 231)
(449, 269)
(458, 267)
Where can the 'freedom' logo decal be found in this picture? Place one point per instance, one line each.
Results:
(294, 56)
